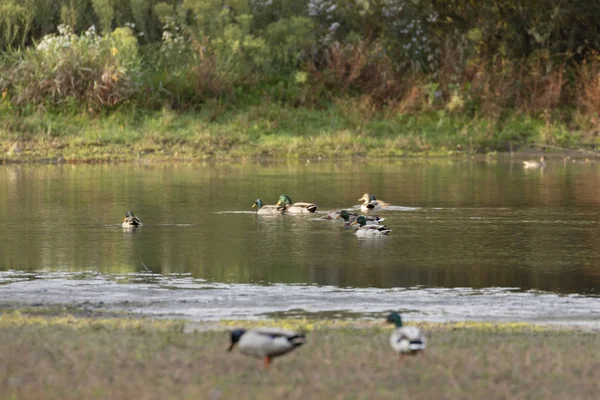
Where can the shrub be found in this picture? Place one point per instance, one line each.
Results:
(588, 93)
(95, 70)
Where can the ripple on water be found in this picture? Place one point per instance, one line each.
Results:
(181, 295)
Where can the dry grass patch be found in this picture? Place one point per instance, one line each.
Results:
(72, 358)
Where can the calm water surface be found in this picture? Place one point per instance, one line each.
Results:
(471, 239)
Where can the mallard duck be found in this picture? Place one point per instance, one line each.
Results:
(369, 230)
(266, 342)
(535, 164)
(131, 221)
(267, 210)
(371, 204)
(405, 339)
(296, 208)
(350, 217)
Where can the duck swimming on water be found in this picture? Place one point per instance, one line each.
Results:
(131, 221)
(535, 164)
(371, 204)
(262, 209)
(365, 230)
(296, 208)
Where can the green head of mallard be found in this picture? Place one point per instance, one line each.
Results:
(257, 204)
(373, 198)
(361, 221)
(394, 318)
(236, 335)
(345, 215)
(128, 215)
(284, 199)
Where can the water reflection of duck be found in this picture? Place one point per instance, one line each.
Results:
(371, 204)
(266, 342)
(535, 164)
(262, 209)
(131, 221)
(350, 217)
(405, 339)
(296, 208)
(365, 230)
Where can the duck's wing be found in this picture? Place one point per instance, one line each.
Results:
(373, 219)
(277, 341)
(375, 229)
(272, 331)
(309, 206)
(134, 221)
(383, 204)
(411, 333)
(408, 338)
(271, 210)
(383, 229)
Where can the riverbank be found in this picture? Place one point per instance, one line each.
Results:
(269, 131)
(57, 355)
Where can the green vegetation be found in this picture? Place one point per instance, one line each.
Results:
(63, 357)
(190, 79)
(264, 131)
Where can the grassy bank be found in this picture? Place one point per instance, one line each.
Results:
(63, 357)
(341, 130)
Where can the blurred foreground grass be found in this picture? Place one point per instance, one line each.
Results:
(60, 356)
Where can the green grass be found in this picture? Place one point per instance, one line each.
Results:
(64, 357)
(222, 132)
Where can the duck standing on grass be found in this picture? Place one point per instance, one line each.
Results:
(535, 164)
(266, 342)
(131, 221)
(405, 340)
(296, 208)
(365, 230)
(371, 204)
(268, 209)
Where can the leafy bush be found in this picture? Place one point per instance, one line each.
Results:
(588, 93)
(95, 70)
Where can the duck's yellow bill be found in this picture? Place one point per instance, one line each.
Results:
(254, 205)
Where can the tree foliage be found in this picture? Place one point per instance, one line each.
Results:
(479, 55)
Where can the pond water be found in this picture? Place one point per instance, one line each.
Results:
(471, 239)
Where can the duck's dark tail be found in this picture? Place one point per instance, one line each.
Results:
(416, 345)
(297, 340)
